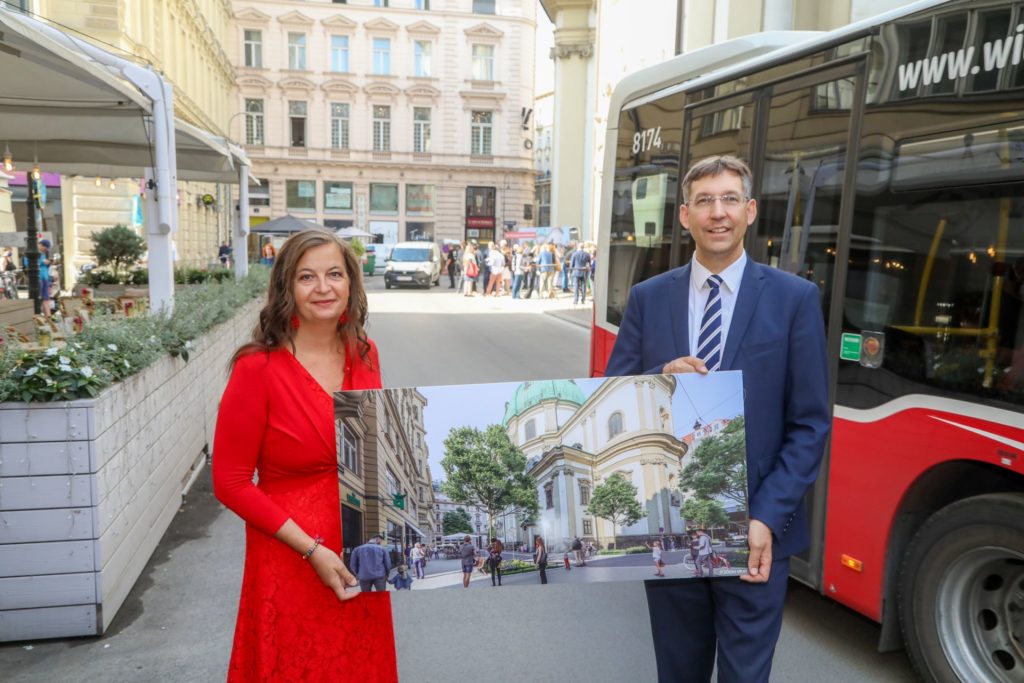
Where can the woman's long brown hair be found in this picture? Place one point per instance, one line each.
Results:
(274, 329)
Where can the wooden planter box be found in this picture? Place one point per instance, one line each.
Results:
(88, 487)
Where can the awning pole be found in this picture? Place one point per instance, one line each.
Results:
(240, 245)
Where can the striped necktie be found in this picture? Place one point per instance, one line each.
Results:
(709, 342)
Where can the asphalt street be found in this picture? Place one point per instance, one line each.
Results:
(177, 623)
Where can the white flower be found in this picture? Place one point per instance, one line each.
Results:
(64, 360)
(52, 351)
(152, 339)
(32, 370)
(64, 368)
(188, 344)
(49, 382)
(126, 363)
(112, 347)
(87, 371)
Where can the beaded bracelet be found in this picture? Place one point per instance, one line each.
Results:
(316, 542)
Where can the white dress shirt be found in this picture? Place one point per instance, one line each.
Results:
(699, 293)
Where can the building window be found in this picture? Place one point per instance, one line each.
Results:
(300, 195)
(380, 3)
(382, 56)
(549, 500)
(480, 136)
(421, 129)
(254, 49)
(337, 196)
(423, 4)
(339, 54)
(483, 62)
(588, 527)
(348, 448)
(421, 58)
(531, 429)
(297, 51)
(585, 495)
(483, 6)
(297, 123)
(259, 195)
(614, 425)
(391, 481)
(254, 122)
(419, 201)
(381, 128)
(339, 125)
(383, 198)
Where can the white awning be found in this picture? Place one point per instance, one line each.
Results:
(76, 116)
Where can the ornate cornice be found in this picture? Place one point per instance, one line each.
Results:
(296, 18)
(584, 50)
(338, 21)
(422, 27)
(484, 30)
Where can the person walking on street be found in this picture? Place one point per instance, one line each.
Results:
(467, 554)
(580, 264)
(728, 312)
(540, 557)
(496, 264)
(470, 269)
(546, 266)
(371, 564)
(452, 266)
(518, 270)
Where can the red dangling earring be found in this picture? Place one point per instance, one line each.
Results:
(344, 318)
(295, 322)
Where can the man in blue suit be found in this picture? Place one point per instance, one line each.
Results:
(723, 311)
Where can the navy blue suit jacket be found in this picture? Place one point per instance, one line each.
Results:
(777, 338)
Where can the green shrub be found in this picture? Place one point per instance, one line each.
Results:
(517, 567)
(637, 549)
(112, 348)
(137, 277)
(99, 276)
(118, 247)
(611, 552)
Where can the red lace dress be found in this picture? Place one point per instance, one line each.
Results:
(276, 419)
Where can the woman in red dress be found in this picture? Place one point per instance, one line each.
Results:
(296, 619)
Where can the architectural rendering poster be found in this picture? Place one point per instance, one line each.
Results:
(611, 473)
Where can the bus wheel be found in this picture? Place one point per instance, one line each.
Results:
(961, 593)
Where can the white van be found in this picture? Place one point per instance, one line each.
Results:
(413, 263)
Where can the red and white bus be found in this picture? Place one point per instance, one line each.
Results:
(888, 159)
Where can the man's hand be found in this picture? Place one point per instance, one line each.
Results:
(759, 565)
(685, 364)
(333, 572)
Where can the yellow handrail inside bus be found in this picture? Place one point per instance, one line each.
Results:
(927, 275)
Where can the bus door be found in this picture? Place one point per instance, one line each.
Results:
(809, 140)
(803, 139)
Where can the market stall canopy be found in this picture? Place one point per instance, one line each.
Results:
(63, 108)
(287, 224)
(352, 232)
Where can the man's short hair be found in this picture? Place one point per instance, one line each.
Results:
(376, 538)
(716, 165)
(466, 538)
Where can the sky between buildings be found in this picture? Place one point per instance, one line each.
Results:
(719, 395)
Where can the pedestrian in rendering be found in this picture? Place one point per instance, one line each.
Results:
(704, 552)
(401, 580)
(494, 552)
(418, 560)
(467, 554)
(276, 417)
(659, 564)
(577, 551)
(723, 311)
(371, 563)
(540, 557)
(452, 265)
(565, 560)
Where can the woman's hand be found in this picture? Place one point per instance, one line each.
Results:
(333, 572)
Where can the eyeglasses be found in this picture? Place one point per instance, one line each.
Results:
(729, 201)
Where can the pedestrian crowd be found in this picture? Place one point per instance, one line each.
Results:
(522, 270)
